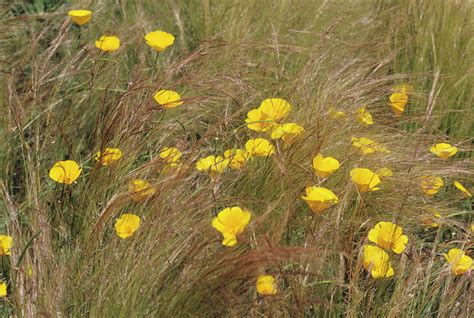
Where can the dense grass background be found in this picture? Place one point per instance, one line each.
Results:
(61, 99)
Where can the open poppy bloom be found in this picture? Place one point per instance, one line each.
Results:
(287, 132)
(367, 146)
(270, 111)
(231, 222)
(108, 43)
(127, 225)
(65, 171)
(365, 179)
(259, 147)
(170, 154)
(364, 117)
(213, 164)
(108, 156)
(159, 40)
(6, 243)
(168, 99)
(459, 261)
(431, 184)
(319, 199)
(325, 166)
(266, 285)
(80, 17)
(444, 150)
(461, 188)
(140, 189)
(377, 262)
(398, 101)
(389, 236)
(237, 158)
(3, 289)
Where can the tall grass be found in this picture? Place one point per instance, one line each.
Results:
(61, 99)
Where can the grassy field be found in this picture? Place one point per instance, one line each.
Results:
(64, 99)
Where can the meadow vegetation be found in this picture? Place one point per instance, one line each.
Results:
(294, 249)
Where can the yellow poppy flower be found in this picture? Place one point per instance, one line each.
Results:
(287, 132)
(168, 99)
(364, 117)
(237, 158)
(266, 285)
(259, 147)
(108, 43)
(6, 243)
(159, 40)
(319, 199)
(109, 156)
(324, 167)
(462, 189)
(258, 120)
(398, 101)
(384, 172)
(127, 225)
(459, 261)
(275, 108)
(389, 236)
(231, 222)
(213, 164)
(377, 262)
(472, 227)
(140, 189)
(431, 184)
(3, 289)
(367, 146)
(80, 17)
(365, 179)
(65, 171)
(170, 154)
(444, 150)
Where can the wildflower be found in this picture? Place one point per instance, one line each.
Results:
(336, 114)
(266, 285)
(377, 262)
(109, 156)
(398, 102)
(65, 171)
(367, 146)
(319, 198)
(288, 132)
(107, 43)
(3, 289)
(459, 261)
(127, 225)
(237, 158)
(431, 221)
(365, 179)
(462, 189)
(168, 99)
(444, 150)
(6, 243)
(384, 172)
(80, 17)
(403, 89)
(472, 227)
(231, 222)
(389, 236)
(269, 112)
(159, 40)
(170, 155)
(213, 164)
(364, 117)
(324, 167)
(259, 147)
(431, 184)
(140, 189)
